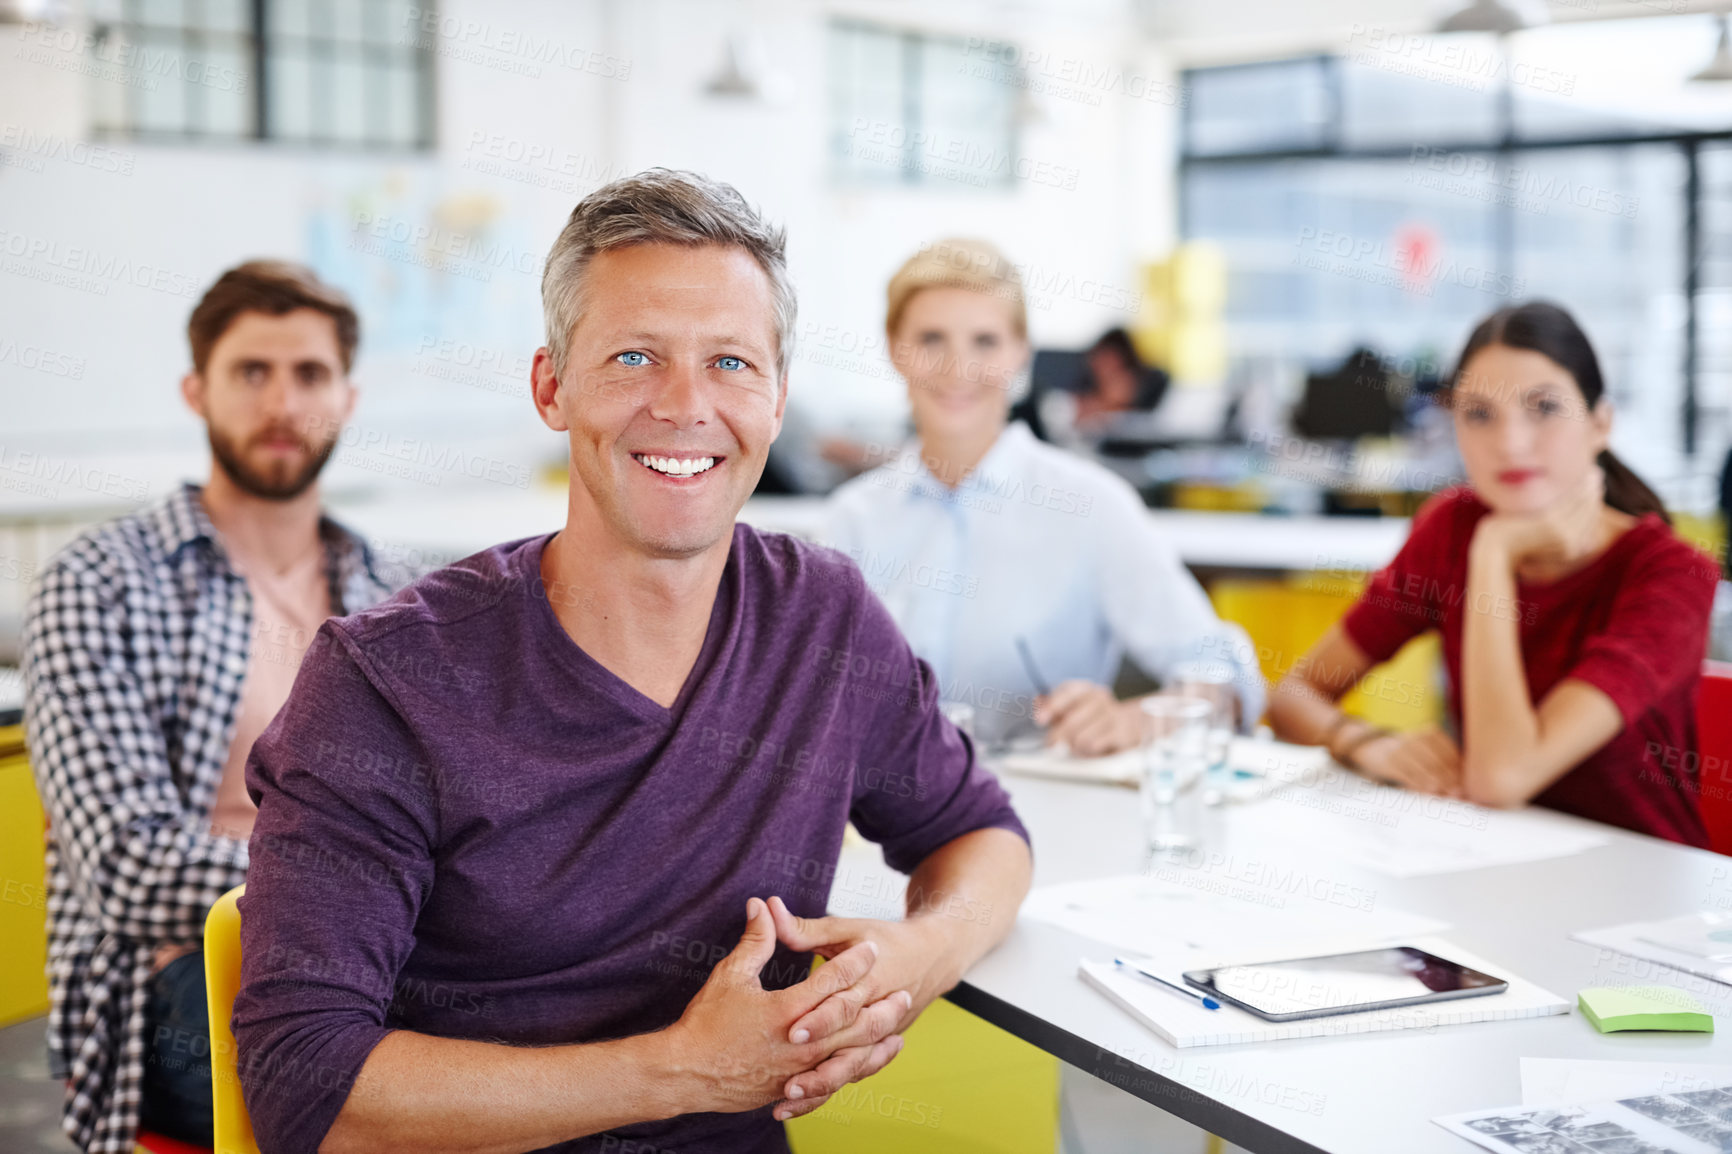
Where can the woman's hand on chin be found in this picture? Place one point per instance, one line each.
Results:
(1569, 528)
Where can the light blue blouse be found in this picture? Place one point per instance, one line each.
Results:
(1036, 543)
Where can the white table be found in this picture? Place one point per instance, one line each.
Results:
(1369, 1093)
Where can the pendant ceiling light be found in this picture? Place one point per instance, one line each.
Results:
(733, 81)
(1486, 16)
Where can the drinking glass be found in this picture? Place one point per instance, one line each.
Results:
(1212, 681)
(1175, 753)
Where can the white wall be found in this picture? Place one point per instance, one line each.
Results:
(634, 99)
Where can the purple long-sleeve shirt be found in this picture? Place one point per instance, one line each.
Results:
(469, 828)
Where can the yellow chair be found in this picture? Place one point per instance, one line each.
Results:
(232, 1128)
(964, 1085)
(1285, 618)
(23, 886)
(961, 1086)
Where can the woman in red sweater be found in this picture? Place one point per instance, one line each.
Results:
(1574, 622)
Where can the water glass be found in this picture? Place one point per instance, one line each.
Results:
(1212, 681)
(1175, 754)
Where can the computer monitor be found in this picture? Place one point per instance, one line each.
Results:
(1353, 401)
(1060, 370)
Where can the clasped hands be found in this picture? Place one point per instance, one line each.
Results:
(744, 1046)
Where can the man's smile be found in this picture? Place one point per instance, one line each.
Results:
(677, 466)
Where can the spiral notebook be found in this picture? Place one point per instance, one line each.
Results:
(1185, 1023)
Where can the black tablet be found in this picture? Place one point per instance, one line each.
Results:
(1286, 991)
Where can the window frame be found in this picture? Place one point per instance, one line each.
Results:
(259, 43)
(911, 45)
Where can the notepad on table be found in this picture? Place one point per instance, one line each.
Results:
(1184, 1023)
(1258, 766)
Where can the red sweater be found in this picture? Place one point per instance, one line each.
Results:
(1633, 624)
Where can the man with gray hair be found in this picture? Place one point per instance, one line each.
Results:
(509, 821)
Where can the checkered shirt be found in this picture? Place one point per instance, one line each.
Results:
(135, 648)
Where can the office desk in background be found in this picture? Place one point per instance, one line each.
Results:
(1359, 1094)
(457, 524)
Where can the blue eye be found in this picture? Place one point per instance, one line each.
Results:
(730, 364)
(628, 359)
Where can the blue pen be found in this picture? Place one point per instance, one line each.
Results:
(1208, 1002)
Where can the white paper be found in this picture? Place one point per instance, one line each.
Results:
(1396, 832)
(1404, 834)
(1574, 1081)
(1276, 917)
(1706, 935)
(1630, 938)
(1260, 766)
(1114, 769)
(1690, 1122)
(1184, 1022)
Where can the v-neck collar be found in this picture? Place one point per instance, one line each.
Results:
(564, 649)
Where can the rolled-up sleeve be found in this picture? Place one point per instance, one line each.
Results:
(341, 866)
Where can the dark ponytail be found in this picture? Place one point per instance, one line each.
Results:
(1628, 493)
(1544, 328)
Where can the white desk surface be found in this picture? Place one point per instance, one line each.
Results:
(458, 523)
(1369, 1093)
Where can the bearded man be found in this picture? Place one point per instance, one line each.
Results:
(157, 648)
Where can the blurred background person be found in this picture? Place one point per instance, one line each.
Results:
(157, 648)
(1114, 381)
(1022, 573)
(1574, 620)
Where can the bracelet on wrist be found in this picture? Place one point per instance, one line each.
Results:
(1335, 727)
(1371, 734)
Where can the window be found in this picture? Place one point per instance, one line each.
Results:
(1711, 350)
(342, 73)
(1286, 104)
(1396, 194)
(916, 109)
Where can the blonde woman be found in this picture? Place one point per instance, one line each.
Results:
(1020, 572)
